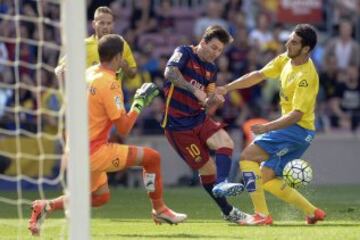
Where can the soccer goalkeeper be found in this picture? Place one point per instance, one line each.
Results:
(106, 108)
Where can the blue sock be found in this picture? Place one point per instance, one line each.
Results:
(223, 164)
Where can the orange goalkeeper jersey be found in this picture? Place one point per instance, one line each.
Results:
(105, 104)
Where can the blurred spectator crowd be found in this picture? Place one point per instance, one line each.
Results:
(30, 48)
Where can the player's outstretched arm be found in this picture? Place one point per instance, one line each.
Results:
(282, 122)
(245, 81)
(174, 75)
(142, 98)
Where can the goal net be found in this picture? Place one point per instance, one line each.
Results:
(33, 111)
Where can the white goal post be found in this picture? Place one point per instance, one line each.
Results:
(74, 23)
(32, 109)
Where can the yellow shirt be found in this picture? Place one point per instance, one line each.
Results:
(299, 86)
(92, 55)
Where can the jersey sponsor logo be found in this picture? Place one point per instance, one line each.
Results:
(303, 83)
(118, 102)
(176, 57)
(92, 91)
(197, 84)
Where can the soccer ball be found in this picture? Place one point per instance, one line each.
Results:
(297, 173)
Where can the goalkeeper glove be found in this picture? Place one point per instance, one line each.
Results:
(144, 96)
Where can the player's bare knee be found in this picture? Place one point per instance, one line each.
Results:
(228, 142)
(209, 168)
(245, 156)
(225, 141)
(249, 155)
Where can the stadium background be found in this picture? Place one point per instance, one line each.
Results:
(154, 28)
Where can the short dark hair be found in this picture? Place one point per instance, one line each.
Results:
(109, 46)
(218, 32)
(308, 35)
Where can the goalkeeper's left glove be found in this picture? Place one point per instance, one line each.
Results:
(144, 96)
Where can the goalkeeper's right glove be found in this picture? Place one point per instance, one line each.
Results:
(144, 96)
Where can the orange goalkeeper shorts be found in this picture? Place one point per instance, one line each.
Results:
(110, 157)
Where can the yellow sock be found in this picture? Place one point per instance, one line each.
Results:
(251, 170)
(280, 189)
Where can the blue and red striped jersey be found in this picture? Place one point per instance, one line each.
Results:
(182, 109)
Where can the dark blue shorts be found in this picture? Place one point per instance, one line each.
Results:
(284, 145)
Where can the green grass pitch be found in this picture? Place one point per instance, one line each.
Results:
(127, 216)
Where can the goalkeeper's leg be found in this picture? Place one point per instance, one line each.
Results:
(41, 208)
(150, 160)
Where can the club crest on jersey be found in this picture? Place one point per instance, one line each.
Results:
(303, 83)
(119, 104)
(176, 57)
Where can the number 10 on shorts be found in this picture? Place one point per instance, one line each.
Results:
(194, 152)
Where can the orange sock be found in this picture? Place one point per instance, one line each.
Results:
(96, 201)
(57, 203)
(153, 179)
(131, 157)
